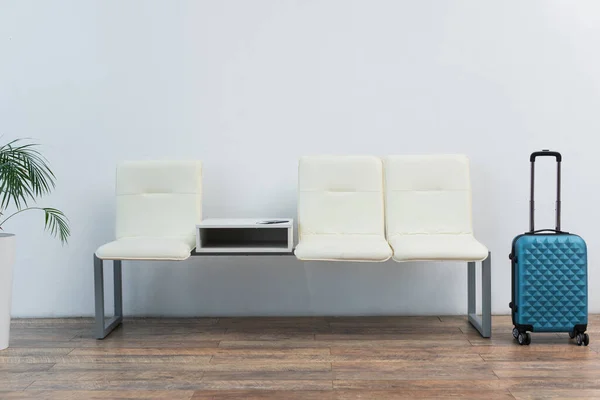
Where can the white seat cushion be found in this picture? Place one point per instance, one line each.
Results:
(343, 248)
(427, 247)
(158, 198)
(148, 248)
(340, 209)
(158, 205)
(428, 208)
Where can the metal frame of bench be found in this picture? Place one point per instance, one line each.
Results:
(104, 327)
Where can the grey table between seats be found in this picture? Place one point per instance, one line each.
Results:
(104, 327)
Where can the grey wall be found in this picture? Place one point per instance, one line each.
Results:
(249, 86)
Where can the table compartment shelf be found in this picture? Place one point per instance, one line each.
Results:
(243, 236)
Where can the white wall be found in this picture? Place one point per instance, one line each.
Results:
(249, 86)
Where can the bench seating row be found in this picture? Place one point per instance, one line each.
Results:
(350, 208)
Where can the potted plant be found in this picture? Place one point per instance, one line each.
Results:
(24, 176)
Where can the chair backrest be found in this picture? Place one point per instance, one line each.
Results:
(158, 198)
(340, 195)
(428, 194)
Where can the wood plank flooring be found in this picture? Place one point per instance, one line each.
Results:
(336, 358)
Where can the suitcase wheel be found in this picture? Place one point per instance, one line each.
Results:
(572, 334)
(524, 338)
(516, 333)
(583, 339)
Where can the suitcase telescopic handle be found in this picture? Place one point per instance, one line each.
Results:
(545, 153)
(534, 155)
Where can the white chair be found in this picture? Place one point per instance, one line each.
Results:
(158, 206)
(341, 209)
(429, 218)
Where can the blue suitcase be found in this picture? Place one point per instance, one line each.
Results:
(549, 276)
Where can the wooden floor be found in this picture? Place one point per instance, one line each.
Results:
(294, 358)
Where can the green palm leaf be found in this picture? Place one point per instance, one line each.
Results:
(56, 223)
(24, 176)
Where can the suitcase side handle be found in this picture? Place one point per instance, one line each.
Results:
(532, 158)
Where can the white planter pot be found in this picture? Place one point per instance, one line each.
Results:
(7, 259)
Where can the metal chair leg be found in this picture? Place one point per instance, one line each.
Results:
(484, 323)
(103, 327)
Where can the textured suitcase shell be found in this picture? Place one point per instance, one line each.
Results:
(550, 282)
